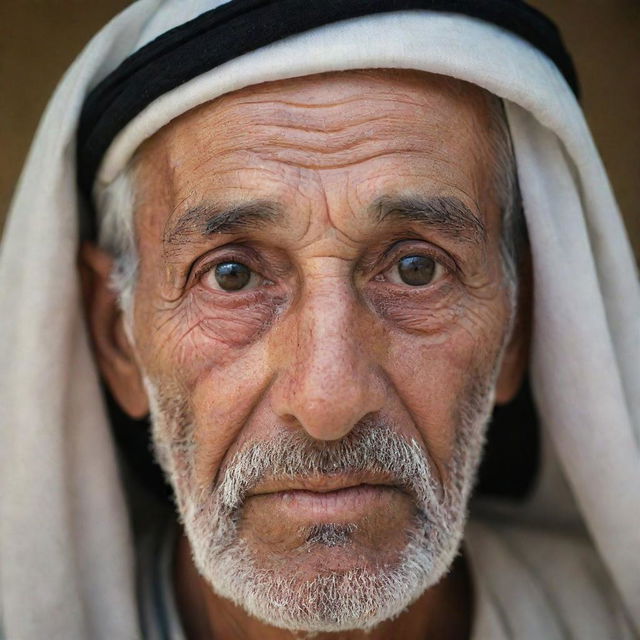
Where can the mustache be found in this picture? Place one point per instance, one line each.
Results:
(371, 447)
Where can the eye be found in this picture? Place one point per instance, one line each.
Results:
(416, 271)
(231, 276)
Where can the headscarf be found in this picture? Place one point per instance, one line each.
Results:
(66, 565)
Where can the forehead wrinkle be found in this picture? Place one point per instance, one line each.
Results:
(385, 96)
(309, 127)
(303, 161)
(365, 146)
(316, 116)
(313, 148)
(318, 130)
(368, 135)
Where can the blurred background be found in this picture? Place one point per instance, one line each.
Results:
(40, 38)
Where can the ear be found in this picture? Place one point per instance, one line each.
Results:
(114, 352)
(516, 356)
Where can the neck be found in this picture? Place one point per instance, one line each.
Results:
(442, 612)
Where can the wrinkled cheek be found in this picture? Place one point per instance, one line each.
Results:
(438, 378)
(208, 367)
(228, 387)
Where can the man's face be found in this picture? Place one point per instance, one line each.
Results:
(320, 317)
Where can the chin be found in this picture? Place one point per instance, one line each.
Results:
(339, 587)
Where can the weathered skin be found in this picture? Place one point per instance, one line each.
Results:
(327, 333)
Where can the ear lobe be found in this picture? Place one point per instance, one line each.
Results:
(115, 355)
(516, 357)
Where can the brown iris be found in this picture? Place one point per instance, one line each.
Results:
(232, 276)
(416, 271)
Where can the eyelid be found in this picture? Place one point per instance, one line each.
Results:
(407, 247)
(440, 271)
(209, 279)
(224, 254)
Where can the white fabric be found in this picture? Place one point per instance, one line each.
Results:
(532, 583)
(65, 550)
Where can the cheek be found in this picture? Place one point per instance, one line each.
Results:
(431, 372)
(214, 354)
(224, 400)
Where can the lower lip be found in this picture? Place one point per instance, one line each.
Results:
(332, 506)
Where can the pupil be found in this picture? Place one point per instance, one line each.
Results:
(416, 270)
(232, 276)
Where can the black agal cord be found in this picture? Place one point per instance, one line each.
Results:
(241, 26)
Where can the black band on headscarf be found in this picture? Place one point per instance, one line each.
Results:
(241, 26)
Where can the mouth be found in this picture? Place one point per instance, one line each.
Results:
(327, 499)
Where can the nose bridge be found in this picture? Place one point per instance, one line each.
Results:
(329, 335)
(329, 380)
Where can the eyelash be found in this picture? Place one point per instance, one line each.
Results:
(399, 250)
(198, 272)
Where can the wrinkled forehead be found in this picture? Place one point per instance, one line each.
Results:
(239, 44)
(324, 152)
(326, 120)
(339, 90)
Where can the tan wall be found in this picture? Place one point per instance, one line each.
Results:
(39, 38)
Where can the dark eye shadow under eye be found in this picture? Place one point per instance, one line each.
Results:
(416, 270)
(232, 276)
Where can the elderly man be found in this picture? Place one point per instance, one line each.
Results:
(305, 259)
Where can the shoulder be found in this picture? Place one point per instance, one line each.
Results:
(551, 581)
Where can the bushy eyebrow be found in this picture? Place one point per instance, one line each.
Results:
(446, 214)
(209, 218)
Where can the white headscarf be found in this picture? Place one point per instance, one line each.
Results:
(66, 567)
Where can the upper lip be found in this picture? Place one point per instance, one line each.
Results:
(321, 483)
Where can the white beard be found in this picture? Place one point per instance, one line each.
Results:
(358, 598)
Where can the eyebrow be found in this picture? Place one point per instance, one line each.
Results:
(209, 218)
(446, 214)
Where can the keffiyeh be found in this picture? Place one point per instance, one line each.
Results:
(66, 566)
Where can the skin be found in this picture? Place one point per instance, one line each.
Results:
(327, 333)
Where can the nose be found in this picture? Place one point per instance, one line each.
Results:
(328, 378)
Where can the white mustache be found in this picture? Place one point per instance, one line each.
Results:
(371, 447)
